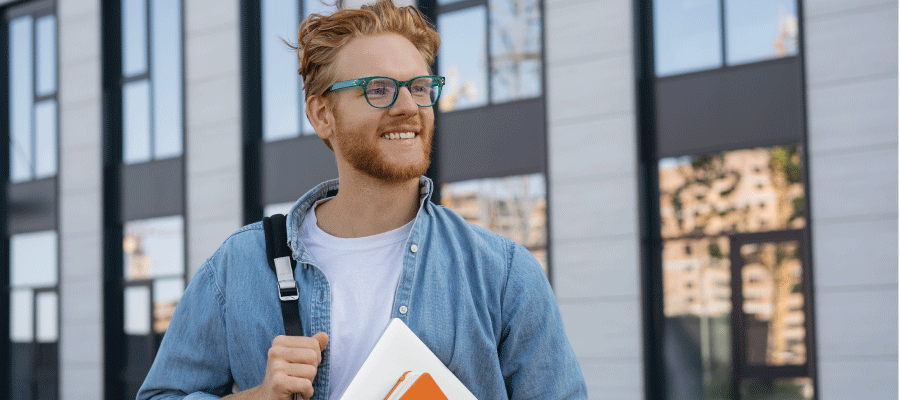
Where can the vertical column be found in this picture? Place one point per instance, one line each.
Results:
(80, 201)
(593, 188)
(214, 207)
(851, 77)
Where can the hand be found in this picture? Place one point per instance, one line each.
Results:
(292, 366)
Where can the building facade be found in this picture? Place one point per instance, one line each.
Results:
(710, 185)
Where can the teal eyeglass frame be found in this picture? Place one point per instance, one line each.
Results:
(363, 82)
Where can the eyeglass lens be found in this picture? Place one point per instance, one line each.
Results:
(381, 92)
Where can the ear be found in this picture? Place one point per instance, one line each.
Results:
(320, 116)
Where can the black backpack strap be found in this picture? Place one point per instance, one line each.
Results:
(281, 262)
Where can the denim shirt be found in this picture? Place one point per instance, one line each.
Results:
(480, 302)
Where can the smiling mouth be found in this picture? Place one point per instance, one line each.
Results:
(399, 135)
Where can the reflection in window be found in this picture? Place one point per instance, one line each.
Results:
(515, 49)
(760, 30)
(154, 272)
(687, 35)
(697, 309)
(714, 193)
(34, 314)
(462, 58)
(514, 207)
(32, 98)
(154, 248)
(781, 389)
(152, 67)
(282, 87)
(773, 304)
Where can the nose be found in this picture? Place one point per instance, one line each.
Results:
(404, 105)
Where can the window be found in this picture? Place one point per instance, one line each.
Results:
(283, 101)
(154, 279)
(708, 204)
(32, 97)
(490, 52)
(33, 260)
(514, 207)
(34, 315)
(152, 88)
(690, 36)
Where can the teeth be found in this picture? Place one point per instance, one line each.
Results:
(401, 135)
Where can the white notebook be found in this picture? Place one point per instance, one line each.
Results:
(397, 351)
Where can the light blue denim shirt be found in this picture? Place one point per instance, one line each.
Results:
(480, 302)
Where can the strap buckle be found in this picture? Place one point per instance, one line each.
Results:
(287, 290)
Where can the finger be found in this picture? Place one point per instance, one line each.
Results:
(296, 342)
(294, 355)
(322, 337)
(298, 385)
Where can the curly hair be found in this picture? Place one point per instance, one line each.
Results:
(321, 37)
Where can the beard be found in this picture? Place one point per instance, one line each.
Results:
(363, 153)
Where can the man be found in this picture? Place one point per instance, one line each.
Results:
(378, 249)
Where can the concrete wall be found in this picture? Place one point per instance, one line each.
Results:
(851, 74)
(213, 143)
(593, 191)
(81, 200)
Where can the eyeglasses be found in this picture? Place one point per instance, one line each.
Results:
(381, 91)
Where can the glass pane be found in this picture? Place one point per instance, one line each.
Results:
(136, 122)
(515, 49)
(166, 74)
(46, 55)
(760, 29)
(514, 207)
(278, 208)
(34, 259)
(746, 190)
(48, 317)
(281, 82)
(315, 7)
(687, 35)
(134, 37)
(154, 247)
(166, 293)
(45, 130)
(697, 309)
(137, 310)
(21, 98)
(774, 304)
(21, 328)
(462, 58)
(777, 389)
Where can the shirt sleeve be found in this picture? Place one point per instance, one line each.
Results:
(192, 362)
(536, 358)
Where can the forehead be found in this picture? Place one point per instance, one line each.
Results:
(389, 55)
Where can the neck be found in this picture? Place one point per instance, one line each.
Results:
(365, 207)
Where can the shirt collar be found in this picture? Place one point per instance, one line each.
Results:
(325, 190)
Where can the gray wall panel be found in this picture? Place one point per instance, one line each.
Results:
(293, 166)
(153, 189)
(32, 206)
(506, 139)
(736, 107)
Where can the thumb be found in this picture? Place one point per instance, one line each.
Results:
(322, 337)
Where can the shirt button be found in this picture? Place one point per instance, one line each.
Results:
(413, 248)
(403, 309)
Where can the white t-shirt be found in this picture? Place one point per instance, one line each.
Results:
(363, 275)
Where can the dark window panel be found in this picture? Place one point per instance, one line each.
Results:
(166, 77)
(293, 166)
(152, 189)
(31, 206)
